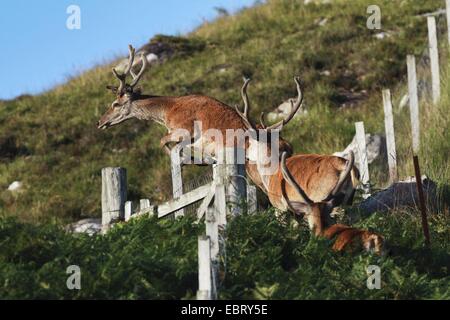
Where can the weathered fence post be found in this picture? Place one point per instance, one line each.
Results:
(144, 204)
(434, 59)
(212, 231)
(363, 163)
(413, 102)
(204, 269)
(447, 5)
(114, 195)
(236, 183)
(220, 204)
(390, 136)
(128, 210)
(252, 201)
(177, 181)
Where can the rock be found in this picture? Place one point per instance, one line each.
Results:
(321, 21)
(326, 73)
(161, 47)
(283, 110)
(402, 194)
(375, 145)
(15, 186)
(382, 35)
(89, 226)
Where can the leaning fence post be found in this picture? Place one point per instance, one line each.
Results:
(236, 184)
(114, 195)
(434, 59)
(177, 181)
(413, 102)
(204, 269)
(363, 163)
(390, 136)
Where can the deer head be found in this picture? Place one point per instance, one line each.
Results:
(121, 108)
(262, 128)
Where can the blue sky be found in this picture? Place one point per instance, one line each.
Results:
(38, 51)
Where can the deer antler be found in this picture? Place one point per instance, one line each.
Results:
(245, 115)
(129, 70)
(294, 109)
(344, 174)
(137, 77)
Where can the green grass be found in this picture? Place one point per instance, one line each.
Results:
(264, 259)
(53, 146)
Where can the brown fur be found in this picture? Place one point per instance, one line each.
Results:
(351, 239)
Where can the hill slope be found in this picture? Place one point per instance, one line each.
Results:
(51, 144)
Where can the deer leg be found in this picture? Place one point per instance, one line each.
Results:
(177, 139)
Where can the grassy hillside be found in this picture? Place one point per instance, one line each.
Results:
(51, 144)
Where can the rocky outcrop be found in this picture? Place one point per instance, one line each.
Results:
(402, 194)
(89, 226)
(161, 48)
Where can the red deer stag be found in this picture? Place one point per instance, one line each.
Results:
(320, 176)
(328, 180)
(174, 113)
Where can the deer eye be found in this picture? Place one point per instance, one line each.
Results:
(115, 105)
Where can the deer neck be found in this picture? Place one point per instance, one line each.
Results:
(152, 108)
(265, 164)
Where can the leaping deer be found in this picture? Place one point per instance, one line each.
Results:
(173, 112)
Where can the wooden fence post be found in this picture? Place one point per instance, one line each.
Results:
(204, 269)
(212, 231)
(363, 163)
(114, 195)
(447, 5)
(434, 59)
(236, 183)
(413, 102)
(144, 204)
(252, 201)
(390, 136)
(177, 181)
(219, 172)
(128, 210)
